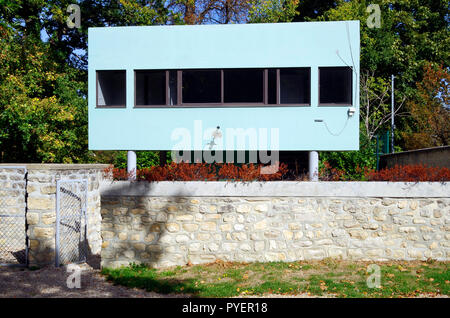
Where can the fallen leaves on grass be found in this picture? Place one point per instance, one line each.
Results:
(401, 268)
(323, 285)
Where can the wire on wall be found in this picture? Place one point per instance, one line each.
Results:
(354, 91)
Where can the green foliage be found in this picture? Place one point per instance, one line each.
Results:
(352, 162)
(411, 33)
(43, 78)
(137, 13)
(272, 11)
(375, 104)
(309, 10)
(43, 115)
(144, 159)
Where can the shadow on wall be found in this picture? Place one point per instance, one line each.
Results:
(134, 229)
(93, 260)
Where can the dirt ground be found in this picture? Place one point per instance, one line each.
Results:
(51, 282)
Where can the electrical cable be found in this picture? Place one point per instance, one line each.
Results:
(355, 94)
(340, 132)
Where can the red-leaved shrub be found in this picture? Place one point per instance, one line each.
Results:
(250, 172)
(201, 172)
(328, 173)
(410, 173)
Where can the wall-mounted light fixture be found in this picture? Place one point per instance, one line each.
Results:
(351, 111)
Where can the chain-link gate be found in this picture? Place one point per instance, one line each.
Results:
(13, 232)
(71, 221)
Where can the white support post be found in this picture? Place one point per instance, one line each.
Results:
(131, 165)
(313, 166)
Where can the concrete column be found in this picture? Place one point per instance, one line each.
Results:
(131, 165)
(313, 166)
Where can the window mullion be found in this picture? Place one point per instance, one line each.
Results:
(266, 86)
(167, 89)
(278, 86)
(222, 87)
(179, 87)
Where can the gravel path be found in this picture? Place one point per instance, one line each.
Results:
(52, 282)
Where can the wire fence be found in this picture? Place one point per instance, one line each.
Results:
(13, 238)
(71, 222)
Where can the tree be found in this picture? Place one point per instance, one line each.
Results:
(309, 10)
(272, 11)
(412, 34)
(430, 110)
(375, 103)
(42, 114)
(43, 74)
(211, 11)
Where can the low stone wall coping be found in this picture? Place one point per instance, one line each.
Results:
(432, 149)
(55, 166)
(276, 188)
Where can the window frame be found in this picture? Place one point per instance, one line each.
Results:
(279, 87)
(96, 89)
(166, 92)
(222, 104)
(180, 90)
(244, 104)
(351, 88)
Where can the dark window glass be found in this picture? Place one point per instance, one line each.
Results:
(272, 86)
(111, 88)
(201, 86)
(335, 85)
(150, 88)
(294, 86)
(173, 94)
(243, 86)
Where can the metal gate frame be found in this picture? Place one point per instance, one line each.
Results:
(83, 214)
(24, 216)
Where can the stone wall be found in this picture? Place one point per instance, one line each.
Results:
(432, 157)
(168, 223)
(40, 208)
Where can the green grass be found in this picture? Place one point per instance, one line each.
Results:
(341, 279)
